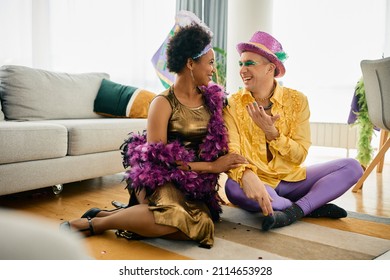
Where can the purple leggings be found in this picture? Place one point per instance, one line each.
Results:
(324, 182)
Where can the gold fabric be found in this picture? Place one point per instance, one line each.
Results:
(171, 208)
(168, 204)
(288, 151)
(189, 125)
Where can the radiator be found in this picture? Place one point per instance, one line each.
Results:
(336, 135)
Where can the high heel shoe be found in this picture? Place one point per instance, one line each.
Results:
(65, 226)
(128, 235)
(118, 204)
(93, 212)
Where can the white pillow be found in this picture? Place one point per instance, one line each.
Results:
(35, 94)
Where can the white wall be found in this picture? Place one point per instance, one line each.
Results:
(245, 17)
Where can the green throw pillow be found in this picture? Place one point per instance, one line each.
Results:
(116, 100)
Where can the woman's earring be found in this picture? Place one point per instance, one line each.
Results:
(192, 75)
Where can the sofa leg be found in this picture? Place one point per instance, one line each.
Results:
(57, 189)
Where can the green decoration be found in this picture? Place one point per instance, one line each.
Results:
(220, 57)
(282, 56)
(366, 128)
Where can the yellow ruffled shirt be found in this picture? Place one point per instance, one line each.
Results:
(288, 151)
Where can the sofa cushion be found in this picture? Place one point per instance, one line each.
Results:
(35, 94)
(99, 135)
(117, 100)
(26, 141)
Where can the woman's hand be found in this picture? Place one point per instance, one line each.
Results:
(227, 162)
(255, 189)
(263, 120)
(222, 164)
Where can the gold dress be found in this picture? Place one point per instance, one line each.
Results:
(169, 205)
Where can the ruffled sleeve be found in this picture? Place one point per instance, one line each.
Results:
(232, 113)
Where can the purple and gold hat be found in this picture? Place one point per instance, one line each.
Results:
(267, 46)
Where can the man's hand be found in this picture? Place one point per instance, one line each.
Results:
(263, 120)
(255, 189)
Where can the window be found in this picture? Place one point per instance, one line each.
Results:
(118, 37)
(325, 41)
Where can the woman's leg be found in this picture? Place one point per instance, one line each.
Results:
(237, 196)
(136, 197)
(138, 219)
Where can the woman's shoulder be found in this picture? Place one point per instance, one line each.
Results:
(166, 95)
(161, 101)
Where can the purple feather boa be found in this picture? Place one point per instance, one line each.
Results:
(154, 164)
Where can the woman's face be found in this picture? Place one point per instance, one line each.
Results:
(204, 68)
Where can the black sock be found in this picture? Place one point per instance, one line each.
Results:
(328, 210)
(283, 218)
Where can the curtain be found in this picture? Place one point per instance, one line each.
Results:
(213, 13)
(195, 6)
(118, 37)
(15, 30)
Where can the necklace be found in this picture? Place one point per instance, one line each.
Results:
(269, 106)
(267, 97)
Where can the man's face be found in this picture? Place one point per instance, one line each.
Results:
(254, 69)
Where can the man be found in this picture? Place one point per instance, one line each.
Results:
(269, 125)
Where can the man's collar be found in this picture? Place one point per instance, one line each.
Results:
(277, 96)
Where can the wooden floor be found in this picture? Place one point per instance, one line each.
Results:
(76, 198)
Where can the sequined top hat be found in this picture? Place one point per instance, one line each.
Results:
(267, 46)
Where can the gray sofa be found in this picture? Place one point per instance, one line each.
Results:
(49, 132)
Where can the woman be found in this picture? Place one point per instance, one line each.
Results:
(269, 125)
(174, 168)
